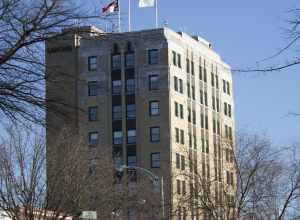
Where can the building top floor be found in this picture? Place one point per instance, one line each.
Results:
(90, 38)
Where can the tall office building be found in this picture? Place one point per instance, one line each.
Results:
(156, 99)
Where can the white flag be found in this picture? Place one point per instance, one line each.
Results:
(146, 3)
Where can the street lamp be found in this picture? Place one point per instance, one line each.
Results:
(156, 180)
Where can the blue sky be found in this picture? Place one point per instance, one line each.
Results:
(242, 32)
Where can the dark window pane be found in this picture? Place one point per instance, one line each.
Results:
(131, 111)
(153, 82)
(129, 60)
(117, 137)
(93, 138)
(155, 134)
(154, 108)
(130, 86)
(93, 113)
(93, 88)
(179, 60)
(153, 56)
(131, 136)
(116, 87)
(117, 112)
(155, 160)
(228, 88)
(116, 62)
(131, 161)
(92, 63)
(174, 58)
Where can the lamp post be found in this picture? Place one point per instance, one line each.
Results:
(156, 180)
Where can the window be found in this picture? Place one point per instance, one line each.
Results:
(176, 109)
(193, 92)
(188, 90)
(205, 99)
(129, 60)
(218, 104)
(131, 136)
(154, 108)
(182, 162)
(187, 65)
(178, 186)
(180, 86)
(93, 88)
(175, 83)
(200, 73)
(117, 112)
(153, 82)
(93, 138)
(201, 96)
(212, 80)
(183, 188)
(229, 110)
(205, 75)
(231, 156)
(228, 88)
(181, 136)
(92, 63)
(131, 160)
(177, 135)
(181, 111)
(214, 126)
(194, 117)
(154, 134)
(92, 166)
(130, 111)
(195, 141)
(179, 60)
(189, 115)
(130, 86)
(179, 213)
(207, 146)
(227, 155)
(224, 86)
(206, 122)
(217, 81)
(116, 62)
(184, 212)
(117, 137)
(225, 108)
(213, 103)
(155, 160)
(153, 56)
(116, 87)
(190, 139)
(174, 56)
(93, 113)
(192, 68)
(202, 120)
(177, 161)
(230, 133)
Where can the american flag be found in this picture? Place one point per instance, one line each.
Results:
(111, 7)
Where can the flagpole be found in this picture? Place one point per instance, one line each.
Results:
(119, 7)
(129, 16)
(156, 14)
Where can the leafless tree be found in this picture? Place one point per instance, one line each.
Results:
(68, 181)
(24, 26)
(266, 184)
(292, 34)
(24, 193)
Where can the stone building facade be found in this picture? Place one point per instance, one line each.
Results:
(157, 99)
